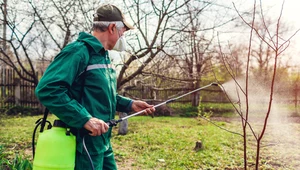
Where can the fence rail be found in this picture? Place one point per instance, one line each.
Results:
(154, 95)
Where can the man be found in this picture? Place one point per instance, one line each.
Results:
(79, 87)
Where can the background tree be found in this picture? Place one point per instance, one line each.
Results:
(159, 29)
(263, 55)
(173, 29)
(276, 43)
(39, 31)
(19, 39)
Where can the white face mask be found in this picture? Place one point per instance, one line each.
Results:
(120, 44)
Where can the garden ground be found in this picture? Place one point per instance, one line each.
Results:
(169, 143)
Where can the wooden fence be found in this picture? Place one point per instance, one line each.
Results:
(18, 92)
(15, 91)
(154, 95)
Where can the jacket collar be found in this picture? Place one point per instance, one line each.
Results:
(91, 41)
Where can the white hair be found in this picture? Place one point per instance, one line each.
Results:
(102, 25)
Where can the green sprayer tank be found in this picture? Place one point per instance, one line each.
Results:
(55, 149)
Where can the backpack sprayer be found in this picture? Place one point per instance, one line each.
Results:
(112, 123)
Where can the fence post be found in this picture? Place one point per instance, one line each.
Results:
(296, 96)
(3, 75)
(17, 84)
(123, 126)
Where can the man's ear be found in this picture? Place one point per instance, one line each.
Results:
(111, 28)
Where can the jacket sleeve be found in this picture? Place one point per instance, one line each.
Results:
(123, 104)
(53, 88)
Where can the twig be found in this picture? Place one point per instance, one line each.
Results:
(221, 126)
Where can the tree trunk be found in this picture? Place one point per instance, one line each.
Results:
(4, 24)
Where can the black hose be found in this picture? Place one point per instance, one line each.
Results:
(33, 139)
(38, 123)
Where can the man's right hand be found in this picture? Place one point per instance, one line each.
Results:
(96, 126)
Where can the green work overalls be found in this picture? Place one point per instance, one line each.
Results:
(62, 91)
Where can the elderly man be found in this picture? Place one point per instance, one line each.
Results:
(79, 87)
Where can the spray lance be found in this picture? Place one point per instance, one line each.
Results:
(113, 122)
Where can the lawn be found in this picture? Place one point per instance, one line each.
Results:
(158, 143)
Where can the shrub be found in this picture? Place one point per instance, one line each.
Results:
(20, 110)
(187, 110)
(204, 112)
(184, 110)
(18, 163)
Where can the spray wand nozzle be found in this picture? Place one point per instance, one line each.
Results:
(214, 84)
(113, 122)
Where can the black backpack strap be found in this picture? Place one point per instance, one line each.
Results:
(44, 119)
(42, 122)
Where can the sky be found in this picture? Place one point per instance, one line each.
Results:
(290, 16)
(291, 13)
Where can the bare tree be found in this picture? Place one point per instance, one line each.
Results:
(40, 31)
(172, 29)
(66, 19)
(146, 44)
(4, 12)
(275, 45)
(196, 49)
(263, 54)
(16, 55)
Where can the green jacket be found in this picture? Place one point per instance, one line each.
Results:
(61, 89)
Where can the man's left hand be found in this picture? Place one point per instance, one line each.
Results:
(138, 105)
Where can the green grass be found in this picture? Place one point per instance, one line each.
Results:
(168, 143)
(156, 143)
(151, 143)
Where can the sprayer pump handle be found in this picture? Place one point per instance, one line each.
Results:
(112, 123)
